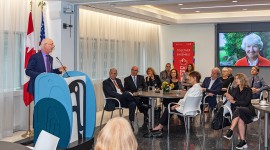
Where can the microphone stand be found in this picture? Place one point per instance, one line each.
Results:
(63, 67)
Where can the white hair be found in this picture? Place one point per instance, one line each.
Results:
(252, 39)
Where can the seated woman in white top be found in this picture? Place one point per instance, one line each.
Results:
(194, 91)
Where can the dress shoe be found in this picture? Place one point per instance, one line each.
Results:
(154, 131)
(145, 106)
(157, 134)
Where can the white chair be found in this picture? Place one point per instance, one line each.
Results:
(227, 109)
(203, 104)
(191, 109)
(119, 107)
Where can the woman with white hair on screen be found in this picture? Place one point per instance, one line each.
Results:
(252, 45)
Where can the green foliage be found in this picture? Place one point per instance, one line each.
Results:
(233, 44)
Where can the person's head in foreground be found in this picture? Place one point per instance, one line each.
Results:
(116, 135)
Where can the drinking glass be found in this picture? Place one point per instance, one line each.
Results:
(139, 91)
(177, 92)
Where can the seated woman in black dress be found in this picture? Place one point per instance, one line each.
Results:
(177, 86)
(243, 111)
(152, 79)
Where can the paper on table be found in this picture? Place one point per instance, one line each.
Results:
(46, 141)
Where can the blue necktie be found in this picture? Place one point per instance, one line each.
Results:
(48, 64)
(135, 81)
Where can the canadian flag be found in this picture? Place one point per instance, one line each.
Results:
(29, 51)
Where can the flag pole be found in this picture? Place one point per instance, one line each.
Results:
(29, 132)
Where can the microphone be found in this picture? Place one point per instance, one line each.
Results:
(63, 66)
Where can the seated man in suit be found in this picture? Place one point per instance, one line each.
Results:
(212, 86)
(132, 83)
(112, 87)
(257, 83)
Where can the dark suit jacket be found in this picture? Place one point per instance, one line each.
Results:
(109, 88)
(35, 67)
(130, 86)
(259, 83)
(215, 89)
(110, 91)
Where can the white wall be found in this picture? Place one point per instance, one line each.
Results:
(202, 34)
(63, 38)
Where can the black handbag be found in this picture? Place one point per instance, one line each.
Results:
(218, 120)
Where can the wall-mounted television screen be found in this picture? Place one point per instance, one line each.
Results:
(244, 49)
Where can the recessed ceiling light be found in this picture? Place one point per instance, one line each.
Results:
(244, 9)
(180, 4)
(234, 1)
(197, 11)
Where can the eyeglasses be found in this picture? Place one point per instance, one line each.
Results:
(134, 70)
(50, 44)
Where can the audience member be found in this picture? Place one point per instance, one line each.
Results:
(226, 81)
(152, 79)
(194, 91)
(190, 68)
(177, 86)
(230, 74)
(132, 83)
(112, 87)
(257, 83)
(116, 135)
(165, 74)
(243, 111)
(212, 86)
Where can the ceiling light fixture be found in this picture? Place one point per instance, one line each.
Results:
(180, 4)
(234, 1)
(244, 9)
(228, 6)
(197, 11)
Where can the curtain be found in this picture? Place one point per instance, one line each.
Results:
(107, 41)
(13, 27)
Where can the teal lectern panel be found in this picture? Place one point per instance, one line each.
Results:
(89, 116)
(52, 101)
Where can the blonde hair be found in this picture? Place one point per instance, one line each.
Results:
(244, 82)
(116, 135)
(152, 69)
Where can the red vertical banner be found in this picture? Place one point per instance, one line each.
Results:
(183, 54)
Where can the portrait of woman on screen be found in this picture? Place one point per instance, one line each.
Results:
(252, 45)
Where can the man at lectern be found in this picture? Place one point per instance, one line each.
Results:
(41, 62)
(113, 87)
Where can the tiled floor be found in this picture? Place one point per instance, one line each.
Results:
(201, 138)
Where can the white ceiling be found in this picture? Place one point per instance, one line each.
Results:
(169, 12)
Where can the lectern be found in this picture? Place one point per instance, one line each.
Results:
(65, 107)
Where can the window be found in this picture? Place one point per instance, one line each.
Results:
(14, 59)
